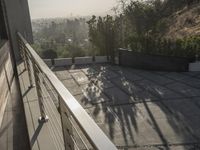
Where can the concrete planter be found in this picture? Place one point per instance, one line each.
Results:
(101, 59)
(152, 62)
(194, 66)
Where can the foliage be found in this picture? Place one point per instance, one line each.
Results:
(140, 27)
(187, 47)
(102, 34)
(66, 37)
(49, 54)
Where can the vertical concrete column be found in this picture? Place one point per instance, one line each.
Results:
(17, 17)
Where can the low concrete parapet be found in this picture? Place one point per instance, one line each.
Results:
(83, 60)
(194, 66)
(59, 62)
(101, 59)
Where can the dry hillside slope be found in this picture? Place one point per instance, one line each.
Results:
(183, 23)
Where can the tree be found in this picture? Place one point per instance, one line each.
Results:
(49, 54)
(102, 35)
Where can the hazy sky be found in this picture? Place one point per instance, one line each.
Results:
(64, 8)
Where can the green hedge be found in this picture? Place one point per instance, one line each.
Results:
(186, 47)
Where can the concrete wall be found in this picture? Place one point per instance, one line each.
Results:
(101, 59)
(61, 62)
(17, 17)
(6, 77)
(152, 62)
(194, 66)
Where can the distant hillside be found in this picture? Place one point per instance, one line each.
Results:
(183, 23)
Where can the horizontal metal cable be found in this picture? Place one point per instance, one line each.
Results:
(69, 119)
(52, 112)
(81, 117)
(80, 136)
(57, 138)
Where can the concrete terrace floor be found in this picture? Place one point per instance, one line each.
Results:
(13, 132)
(139, 109)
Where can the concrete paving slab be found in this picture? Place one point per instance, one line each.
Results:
(193, 125)
(197, 75)
(176, 76)
(85, 103)
(75, 90)
(140, 112)
(191, 74)
(93, 94)
(185, 90)
(80, 78)
(72, 87)
(115, 68)
(129, 75)
(126, 85)
(157, 90)
(69, 83)
(169, 129)
(188, 112)
(108, 74)
(183, 108)
(102, 83)
(63, 74)
(107, 121)
(133, 90)
(197, 101)
(89, 71)
(117, 96)
(159, 79)
(191, 81)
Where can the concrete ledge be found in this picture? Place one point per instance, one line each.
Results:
(48, 62)
(101, 59)
(83, 60)
(194, 66)
(62, 62)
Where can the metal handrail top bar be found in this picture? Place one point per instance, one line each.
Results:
(91, 130)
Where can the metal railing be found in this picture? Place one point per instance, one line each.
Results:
(78, 129)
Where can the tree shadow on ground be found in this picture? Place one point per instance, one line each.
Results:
(135, 113)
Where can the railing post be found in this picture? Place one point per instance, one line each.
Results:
(43, 117)
(29, 69)
(119, 56)
(66, 126)
(24, 57)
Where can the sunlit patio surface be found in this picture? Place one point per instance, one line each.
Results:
(139, 109)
